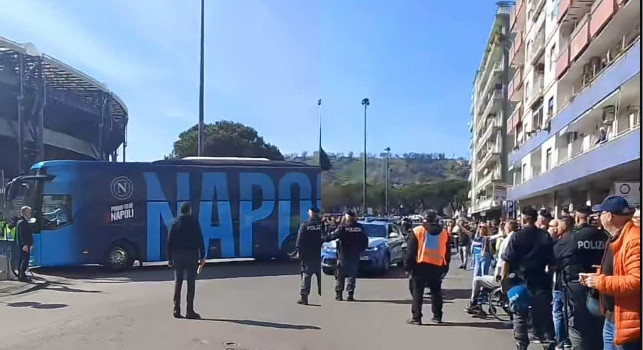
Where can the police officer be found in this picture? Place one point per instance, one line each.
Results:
(528, 253)
(309, 241)
(352, 242)
(577, 252)
(427, 260)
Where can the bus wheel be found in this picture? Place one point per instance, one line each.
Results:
(119, 257)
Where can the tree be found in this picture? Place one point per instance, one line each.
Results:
(225, 139)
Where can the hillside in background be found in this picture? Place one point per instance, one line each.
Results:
(418, 181)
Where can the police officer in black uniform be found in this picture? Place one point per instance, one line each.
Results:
(528, 253)
(577, 252)
(352, 242)
(309, 241)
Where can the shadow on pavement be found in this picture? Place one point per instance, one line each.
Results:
(263, 324)
(427, 301)
(393, 273)
(159, 273)
(37, 305)
(62, 287)
(483, 324)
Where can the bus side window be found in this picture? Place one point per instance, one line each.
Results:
(56, 211)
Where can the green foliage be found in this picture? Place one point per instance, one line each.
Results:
(225, 139)
(417, 181)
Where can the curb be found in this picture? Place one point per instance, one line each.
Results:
(17, 288)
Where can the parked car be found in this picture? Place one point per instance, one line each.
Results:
(386, 246)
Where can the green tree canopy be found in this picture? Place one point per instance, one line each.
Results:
(225, 139)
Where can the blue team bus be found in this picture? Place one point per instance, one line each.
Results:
(94, 212)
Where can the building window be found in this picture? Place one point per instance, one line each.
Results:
(524, 172)
(56, 211)
(552, 57)
(550, 108)
(548, 159)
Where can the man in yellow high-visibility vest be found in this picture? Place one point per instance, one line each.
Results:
(427, 260)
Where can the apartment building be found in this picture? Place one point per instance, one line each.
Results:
(490, 110)
(574, 100)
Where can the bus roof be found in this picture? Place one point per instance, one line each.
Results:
(238, 162)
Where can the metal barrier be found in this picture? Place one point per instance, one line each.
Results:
(10, 250)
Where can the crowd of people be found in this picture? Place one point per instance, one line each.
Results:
(572, 282)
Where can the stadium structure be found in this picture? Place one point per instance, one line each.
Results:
(49, 110)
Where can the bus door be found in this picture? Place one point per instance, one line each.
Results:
(58, 244)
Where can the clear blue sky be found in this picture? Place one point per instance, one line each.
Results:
(268, 61)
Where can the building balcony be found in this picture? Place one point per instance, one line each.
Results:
(613, 76)
(602, 12)
(536, 7)
(579, 39)
(490, 101)
(492, 127)
(515, 86)
(570, 11)
(536, 92)
(517, 53)
(562, 63)
(492, 197)
(538, 46)
(486, 180)
(492, 155)
(617, 35)
(517, 18)
(515, 118)
(492, 79)
(604, 157)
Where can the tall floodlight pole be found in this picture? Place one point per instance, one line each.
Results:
(320, 130)
(388, 152)
(201, 82)
(365, 103)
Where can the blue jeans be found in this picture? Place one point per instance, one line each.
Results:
(609, 333)
(482, 265)
(559, 317)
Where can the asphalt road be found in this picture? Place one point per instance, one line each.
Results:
(247, 306)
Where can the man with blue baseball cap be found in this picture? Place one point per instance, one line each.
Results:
(618, 279)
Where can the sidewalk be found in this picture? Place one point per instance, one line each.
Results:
(13, 286)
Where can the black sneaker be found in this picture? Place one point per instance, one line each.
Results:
(473, 309)
(350, 298)
(338, 297)
(414, 322)
(177, 313)
(437, 320)
(193, 316)
(302, 301)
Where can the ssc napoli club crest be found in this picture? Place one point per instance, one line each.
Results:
(122, 188)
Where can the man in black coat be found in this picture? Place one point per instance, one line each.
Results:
(309, 241)
(579, 252)
(185, 248)
(352, 241)
(25, 242)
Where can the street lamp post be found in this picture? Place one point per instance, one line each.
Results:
(388, 152)
(365, 103)
(201, 82)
